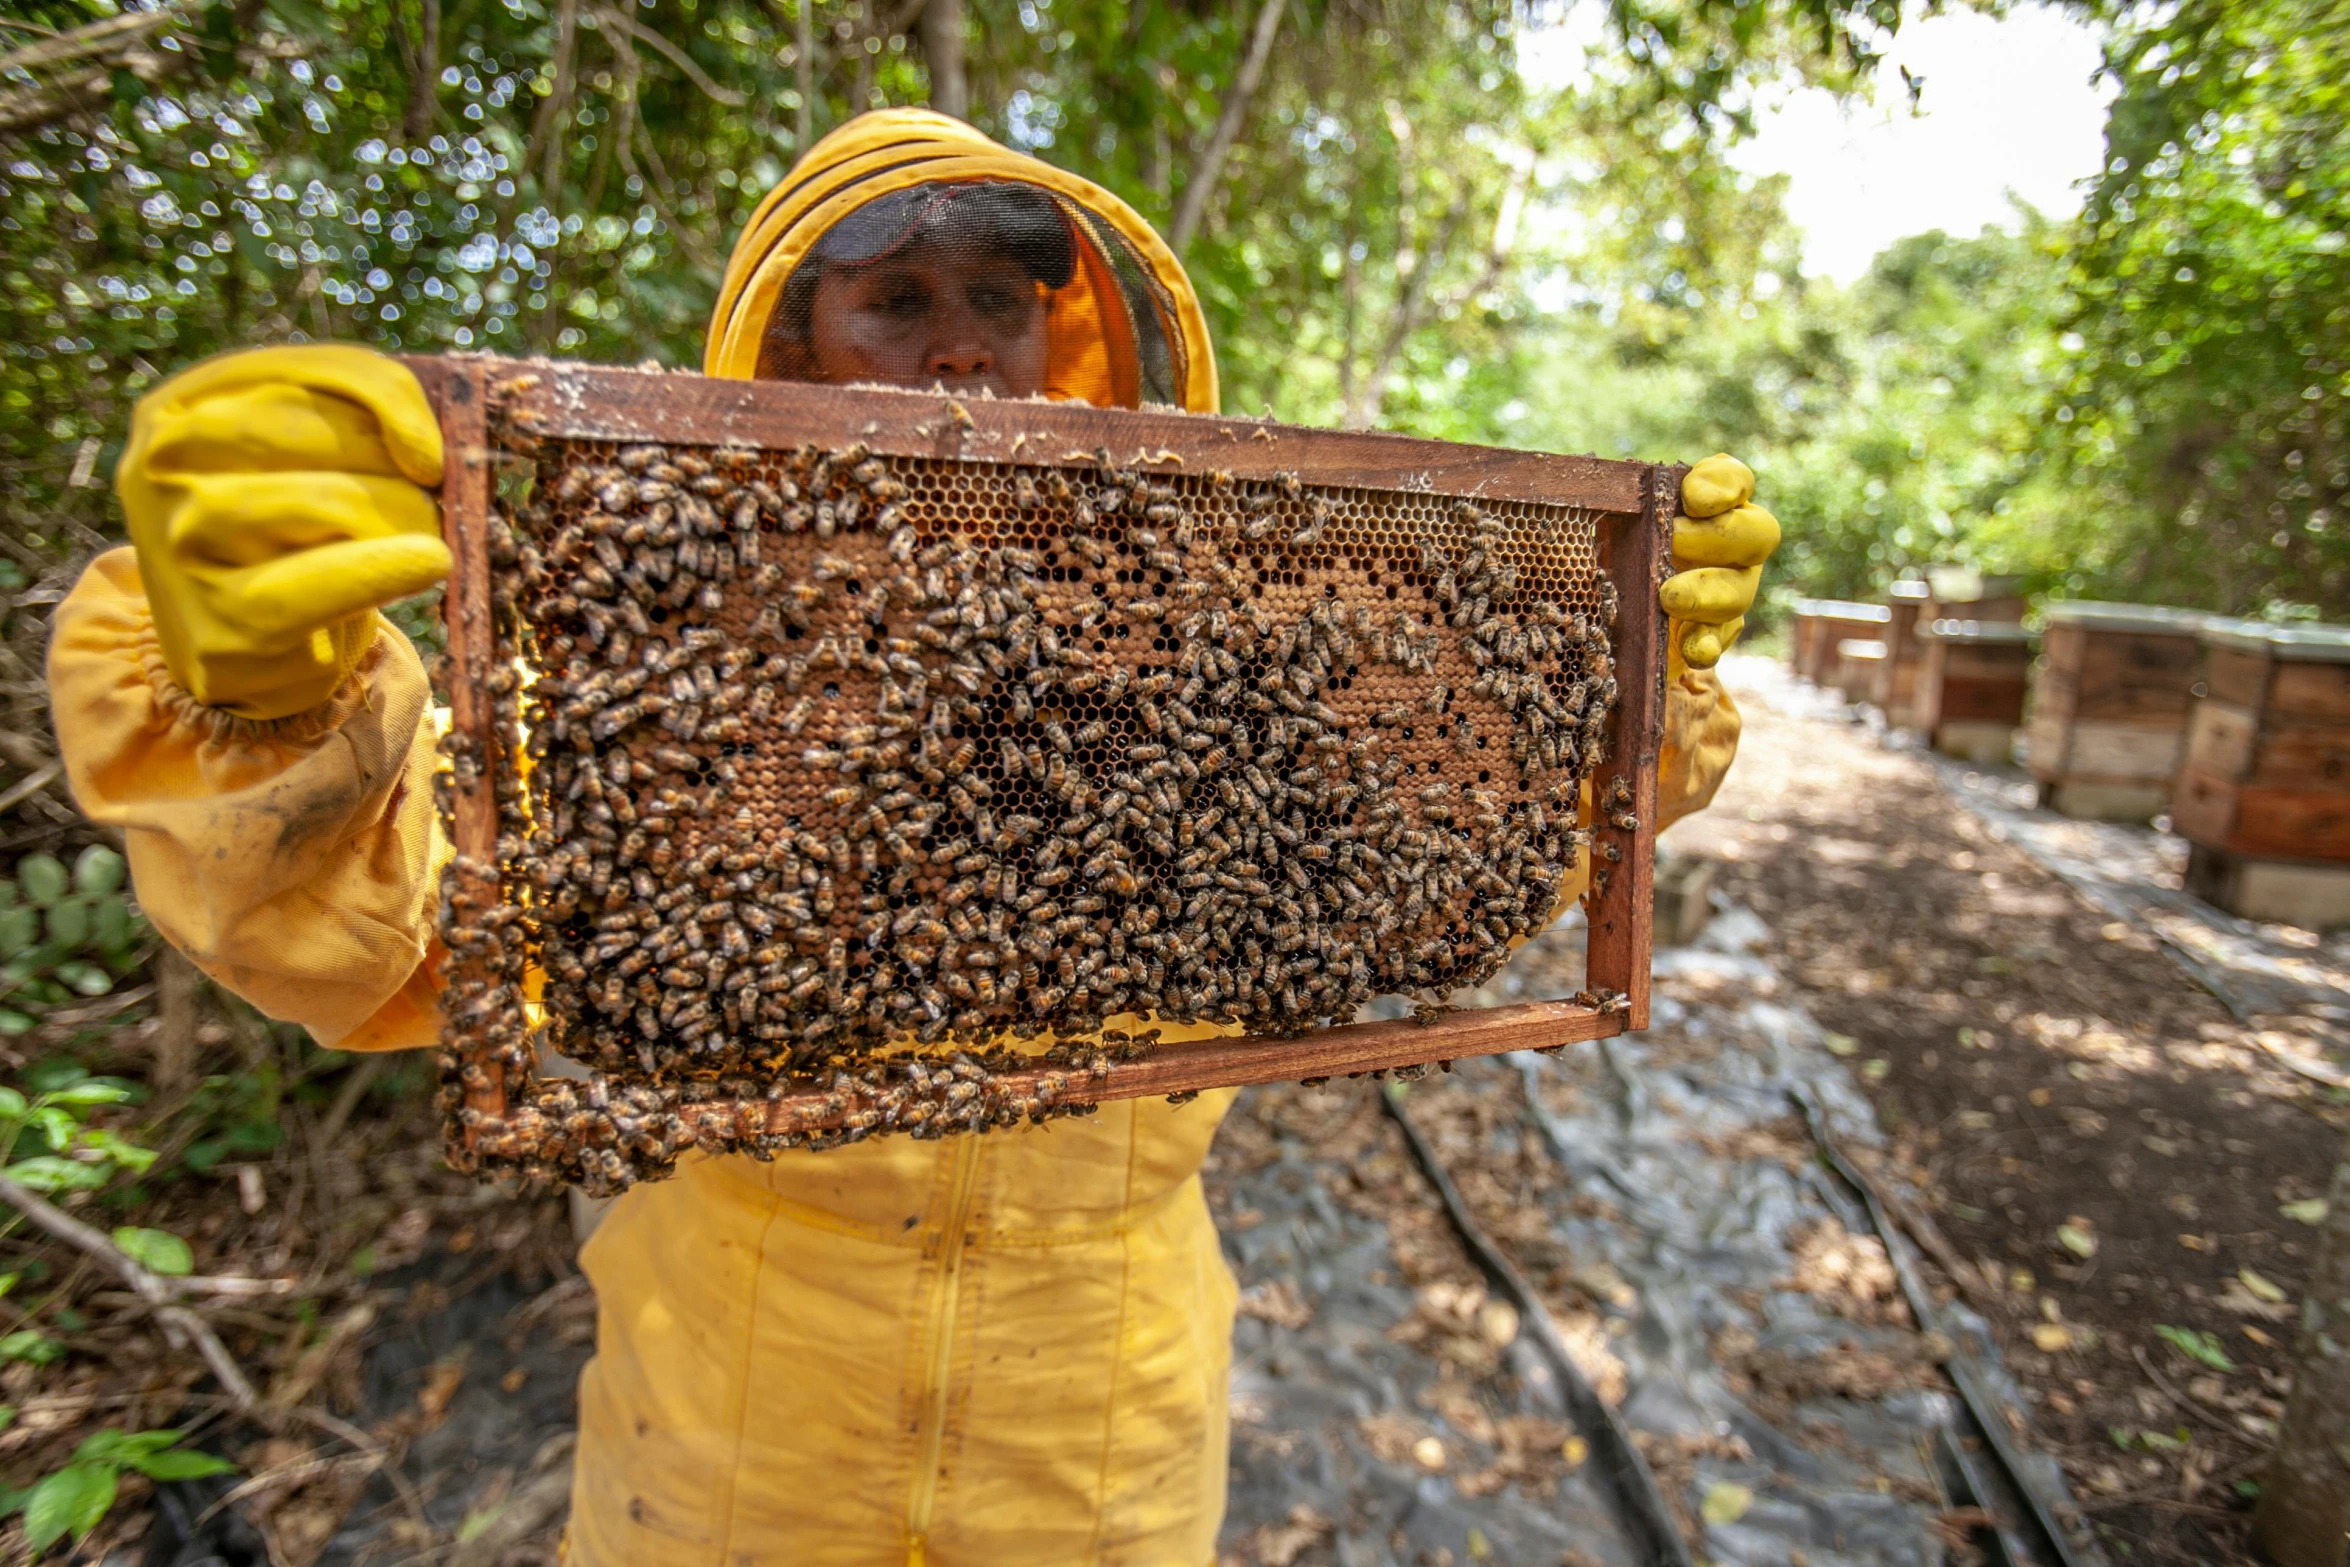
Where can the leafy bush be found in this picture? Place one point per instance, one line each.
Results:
(76, 1498)
(65, 934)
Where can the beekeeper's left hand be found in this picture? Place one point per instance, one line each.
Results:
(1720, 542)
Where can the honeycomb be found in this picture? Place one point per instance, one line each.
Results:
(867, 775)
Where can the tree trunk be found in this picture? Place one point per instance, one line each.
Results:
(2303, 1519)
(547, 134)
(1209, 167)
(940, 31)
(804, 73)
(424, 81)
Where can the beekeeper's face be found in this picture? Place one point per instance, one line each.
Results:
(928, 314)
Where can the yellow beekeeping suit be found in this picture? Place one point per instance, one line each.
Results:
(995, 1350)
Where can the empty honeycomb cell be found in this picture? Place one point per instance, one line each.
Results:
(1011, 751)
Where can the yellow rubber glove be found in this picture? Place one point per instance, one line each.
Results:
(275, 497)
(1720, 542)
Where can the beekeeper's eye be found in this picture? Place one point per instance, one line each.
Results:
(900, 295)
(999, 297)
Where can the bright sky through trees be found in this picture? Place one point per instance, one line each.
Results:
(2008, 106)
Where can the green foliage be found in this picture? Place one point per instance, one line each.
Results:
(65, 934)
(79, 1156)
(75, 1499)
(158, 1251)
(2198, 1344)
(233, 1117)
(1895, 423)
(2211, 393)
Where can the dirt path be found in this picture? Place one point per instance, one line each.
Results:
(2093, 1130)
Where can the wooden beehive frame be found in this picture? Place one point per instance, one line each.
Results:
(1633, 505)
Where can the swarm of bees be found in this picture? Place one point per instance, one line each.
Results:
(838, 779)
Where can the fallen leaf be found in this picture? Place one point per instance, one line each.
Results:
(1279, 1545)
(2194, 1243)
(1278, 1301)
(1574, 1450)
(2239, 1297)
(2310, 1210)
(2051, 1337)
(2266, 1289)
(440, 1385)
(1840, 1044)
(1726, 1501)
(2257, 1337)
(1497, 1321)
(1428, 1453)
(2077, 1240)
(1876, 1071)
(1480, 1548)
(2196, 1344)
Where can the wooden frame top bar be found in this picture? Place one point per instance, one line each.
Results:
(595, 403)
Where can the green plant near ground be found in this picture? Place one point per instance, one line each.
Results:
(76, 1498)
(55, 1118)
(2198, 1344)
(49, 1147)
(65, 933)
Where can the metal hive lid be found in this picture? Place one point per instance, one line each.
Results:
(2312, 644)
(2099, 616)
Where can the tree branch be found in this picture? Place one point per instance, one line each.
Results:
(555, 105)
(939, 29)
(675, 56)
(182, 1326)
(804, 73)
(104, 40)
(1410, 310)
(116, 43)
(424, 74)
(1208, 168)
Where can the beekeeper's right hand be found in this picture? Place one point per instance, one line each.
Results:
(276, 496)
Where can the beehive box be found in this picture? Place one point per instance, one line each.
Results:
(1855, 675)
(1805, 634)
(1830, 623)
(2263, 795)
(2109, 704)
(829, 762)
(1971, 688)
(1896, 690)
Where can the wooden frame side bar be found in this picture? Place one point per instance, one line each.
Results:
(459, 390)
(1623, 892)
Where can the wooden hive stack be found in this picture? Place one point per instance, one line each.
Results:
(1804, 631)
(2110, 702)
(1896, 690)
(1838, 622)
(1971, 688)
(2264, 794)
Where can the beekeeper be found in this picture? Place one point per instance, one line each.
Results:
(979, 1350)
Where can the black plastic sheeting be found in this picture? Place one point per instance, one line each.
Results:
(1687, 1204)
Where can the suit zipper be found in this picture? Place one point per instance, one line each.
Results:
(945, 1298)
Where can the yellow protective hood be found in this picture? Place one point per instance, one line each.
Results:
(1127, 329)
